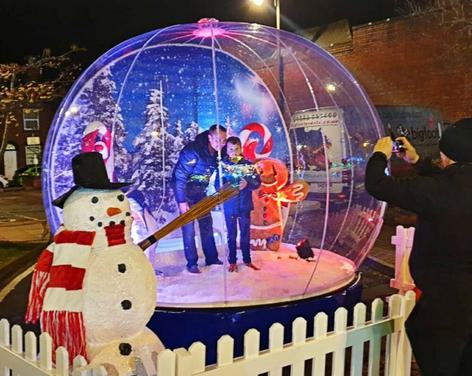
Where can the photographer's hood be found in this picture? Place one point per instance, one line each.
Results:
(456, 141)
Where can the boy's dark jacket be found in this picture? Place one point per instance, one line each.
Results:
(192, 172)
(242, 203)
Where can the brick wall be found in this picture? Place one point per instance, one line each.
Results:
(412, 61)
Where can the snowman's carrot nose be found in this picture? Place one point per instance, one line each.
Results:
(113, 211)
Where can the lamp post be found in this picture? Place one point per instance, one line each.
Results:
(277, 10)
(277, 14)
(280, 62)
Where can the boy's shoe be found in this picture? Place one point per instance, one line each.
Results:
(252, 266)
(193, 269)
(233, 268)
(215, 262)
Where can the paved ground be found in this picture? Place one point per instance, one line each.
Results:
(22, 218)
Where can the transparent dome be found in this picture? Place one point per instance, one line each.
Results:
(303, 120)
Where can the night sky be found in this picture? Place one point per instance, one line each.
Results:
(28, 26)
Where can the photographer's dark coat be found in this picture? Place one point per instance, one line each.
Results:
(441, 258)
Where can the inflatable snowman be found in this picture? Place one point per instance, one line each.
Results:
(93, 290)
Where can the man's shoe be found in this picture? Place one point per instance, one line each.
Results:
(193, 269)
(252, 266)
(216, 262)
(233, 268)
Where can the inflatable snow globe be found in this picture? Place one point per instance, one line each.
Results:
(306, 129)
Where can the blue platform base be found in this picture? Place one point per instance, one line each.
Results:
(181, 327)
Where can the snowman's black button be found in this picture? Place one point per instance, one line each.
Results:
(126, 304)
(125, 348)
(121, 268)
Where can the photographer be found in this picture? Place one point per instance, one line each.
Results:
(440, 326)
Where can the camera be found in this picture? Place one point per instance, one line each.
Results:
(398, 146)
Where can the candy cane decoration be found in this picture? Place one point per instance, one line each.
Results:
(97, 137)
(250, 144)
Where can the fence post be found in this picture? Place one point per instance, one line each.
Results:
(4, 332)
(375, 341)
(31, 346)
(276, 344)
(391, 351)
(198, 351)
(62, 361)
(340, 324)
(224, 350)
(403, 241)
(184, 365)
(166, 363)
(45, 351)
(358, 349)
(298, 338)
(321, 330)
(404, 348)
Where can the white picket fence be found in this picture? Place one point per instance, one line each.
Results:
(397, 352)
(20, 355)
(182, 362)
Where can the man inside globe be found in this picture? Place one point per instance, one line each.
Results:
(440, 326)
(191, 176)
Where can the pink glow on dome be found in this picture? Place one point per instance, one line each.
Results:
(207, 28)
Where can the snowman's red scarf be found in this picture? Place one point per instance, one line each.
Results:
(56, 290)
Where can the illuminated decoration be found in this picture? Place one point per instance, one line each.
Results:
(331, 87)
(206, 29)
(18, 91)
(235, 172)
(267, 225)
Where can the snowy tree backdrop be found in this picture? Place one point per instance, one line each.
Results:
(95, 103)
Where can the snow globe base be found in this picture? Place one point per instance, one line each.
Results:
(180, 327)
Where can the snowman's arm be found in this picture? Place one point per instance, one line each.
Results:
(39, 284)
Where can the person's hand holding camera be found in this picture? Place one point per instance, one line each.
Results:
(384, 145)
(408, 152)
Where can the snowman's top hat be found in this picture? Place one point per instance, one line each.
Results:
(89, 172)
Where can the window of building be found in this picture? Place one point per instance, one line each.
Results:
(30, 119)
(33, 154)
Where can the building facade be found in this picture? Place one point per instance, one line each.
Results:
(26, 137)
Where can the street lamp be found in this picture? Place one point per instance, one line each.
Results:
(277, 10)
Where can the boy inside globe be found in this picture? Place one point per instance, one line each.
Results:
(240, 173)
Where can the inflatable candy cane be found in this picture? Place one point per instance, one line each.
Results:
(250, 144)
(97, 137)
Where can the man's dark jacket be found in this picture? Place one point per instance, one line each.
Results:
(442, 248)
(193, 170)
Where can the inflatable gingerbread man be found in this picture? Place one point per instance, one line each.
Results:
(266, 219)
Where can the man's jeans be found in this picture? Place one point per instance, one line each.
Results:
(208, 241)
